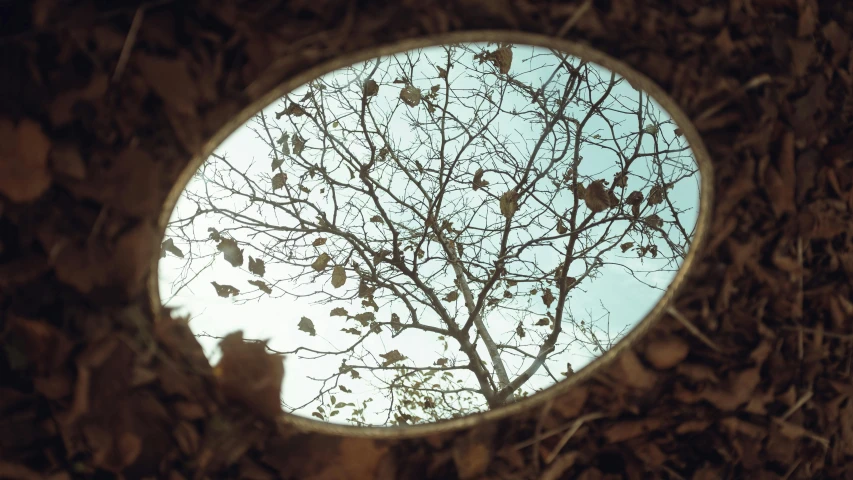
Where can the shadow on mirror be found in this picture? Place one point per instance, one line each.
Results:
(435, 233)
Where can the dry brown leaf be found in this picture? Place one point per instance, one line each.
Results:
(452, 296)
(631, 429)
(391, 357)
(339, 276)
(24, 150)
(667, 352)
(247, 374)
(169, 246)
(471, 459)
(547, 297)
(509, 204)
(339, 312)
(318, 242)
(478, 181)
(630, 371)
(561, 229)
(306, 325)
(371, 88)
(256, 266)
(411, 96)
(596, 197)
(262, 286)
(231, 252)
(321, 262)
(225, 291)
(656, 195)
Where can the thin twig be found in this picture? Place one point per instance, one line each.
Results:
(692, 328)
(129, 41)
(802, 401)
(568, 436)
(574, 18)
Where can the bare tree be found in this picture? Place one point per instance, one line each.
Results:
(441, 199)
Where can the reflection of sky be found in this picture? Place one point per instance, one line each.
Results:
(275, 318)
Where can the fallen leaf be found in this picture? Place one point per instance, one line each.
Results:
(24, 150)
(339, 276)
(225, 291)
(667, 352)
(250, 375)
(306, 325)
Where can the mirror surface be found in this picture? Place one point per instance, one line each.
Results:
(435, 233)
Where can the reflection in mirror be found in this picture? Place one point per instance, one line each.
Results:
(435, 233)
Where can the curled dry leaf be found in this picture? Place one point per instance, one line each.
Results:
(561, 228)
(339, 276)
(391, 357)
(442, 73)
(596, 197)
(519, 330)
(306, 325)
(278, 181)
(257, 267)
(653, 221)
(231, 252)
(321, 262)
(396, 325)
(318, 241)
(509, 204)
(441, 362)
(376, 219)
(634, 198)
(620, 180)
(543, 321)
(452, 296)
(298, 144)
(293, 109)
(478, 181)
(262, 286)
(169, 246)
(547, 297)
(371, 88)
(410, 95)
(24, 150)
(656, 195)
(626, 246)
(225, 291)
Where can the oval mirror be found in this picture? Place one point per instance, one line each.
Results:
(435, 233)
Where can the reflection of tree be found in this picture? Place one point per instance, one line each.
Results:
(443, 193)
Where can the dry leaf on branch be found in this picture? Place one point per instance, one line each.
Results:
(169, 246)
(306, 325)
(656, 195)
(262, 286)
(634, 198)
(371, 88)
(620, 180)
(293, 109)
(452, 296)
(626, 246)
(543, 321)
(547, 297)
(653, 221)
(596, 197)
(509, 204)
(225, 291)
(365, 318)
(561, 228)
(318, 241)
(410, 95)
(519, 330)
(339, 312)
(231, 252)
(396, 325)
(391, 357)
(339, 276)
(478, 182)
(257, 267)
(442, 73)
(321, 262)
(376, 219)
(278, 181)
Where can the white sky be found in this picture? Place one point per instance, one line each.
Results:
(276, 318)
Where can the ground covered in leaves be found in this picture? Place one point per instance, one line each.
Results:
(102, 104)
